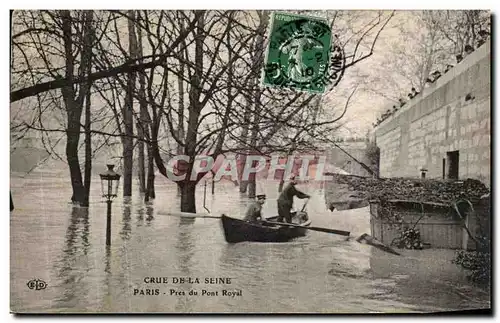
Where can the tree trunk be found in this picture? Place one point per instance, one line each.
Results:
(252, 182)
(258, 54)
(188, 196)
(141, 159)
(252, 188)
(180, 126)
(143, 120)
(243, 186)
(252, 178)
(88, 38)
(128, 150)
(74, 109)
(88, 151)
(128, 115)
(188, 186)
(244, 139)
(149, 188)
(127, 167)
(150, 184)
(73, 161)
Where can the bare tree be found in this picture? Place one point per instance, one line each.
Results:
(50, 44)
(216, 58)
(421, 43)
(60, 81)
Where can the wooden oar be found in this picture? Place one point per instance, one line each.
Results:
(334, 231)
(368, 239)
(305, 204)
(190, 215)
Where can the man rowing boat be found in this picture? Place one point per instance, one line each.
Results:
(285, 200)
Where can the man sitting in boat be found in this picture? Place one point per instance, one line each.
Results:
(253, 213)
(285, 200)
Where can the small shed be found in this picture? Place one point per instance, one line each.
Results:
(439, 224)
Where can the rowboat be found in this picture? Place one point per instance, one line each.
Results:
(236, 230)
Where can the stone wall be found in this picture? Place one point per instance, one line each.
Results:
(441, 120)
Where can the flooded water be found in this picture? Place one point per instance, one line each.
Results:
(65, 247)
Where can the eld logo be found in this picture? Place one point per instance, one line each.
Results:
(37, 284)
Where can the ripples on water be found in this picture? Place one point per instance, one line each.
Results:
(65, 246)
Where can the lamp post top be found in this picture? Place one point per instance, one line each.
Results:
(110, 174)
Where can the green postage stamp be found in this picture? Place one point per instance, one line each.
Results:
(299, 53)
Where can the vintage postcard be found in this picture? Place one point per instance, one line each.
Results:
(250, 161)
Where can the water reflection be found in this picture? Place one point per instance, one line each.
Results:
(107, 261)
(149, 213)
(74, 264)
(140, 216)
(78, 228)
(106, 285)
(184, 247)
(126, 227)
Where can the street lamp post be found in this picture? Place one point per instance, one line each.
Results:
(109, 187)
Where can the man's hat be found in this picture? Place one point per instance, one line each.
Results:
(261, 197)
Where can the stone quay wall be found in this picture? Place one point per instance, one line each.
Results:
(451, 115)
